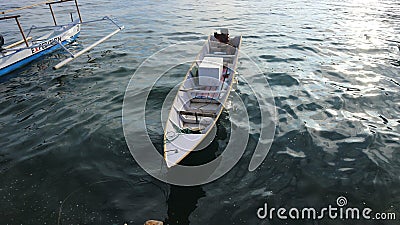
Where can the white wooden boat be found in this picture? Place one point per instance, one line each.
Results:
(22, 52)
(201, 97)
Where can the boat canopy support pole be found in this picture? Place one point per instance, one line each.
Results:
(62, 1)
(19, 26)
(22, 32)
(63, 63)
(52, 14)
(77, 9)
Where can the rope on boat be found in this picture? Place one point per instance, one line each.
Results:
(172, 137)
(25, 7)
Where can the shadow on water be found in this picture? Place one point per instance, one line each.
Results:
(183, 201)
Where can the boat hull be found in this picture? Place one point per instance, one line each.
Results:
(25, 56)
(200, 100)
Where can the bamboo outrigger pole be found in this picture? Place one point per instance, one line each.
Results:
(61, 64)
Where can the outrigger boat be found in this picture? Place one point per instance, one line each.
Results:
(201, 97)
(28, 49)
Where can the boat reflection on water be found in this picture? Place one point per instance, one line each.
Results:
(182, 201)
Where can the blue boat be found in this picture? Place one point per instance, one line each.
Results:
(23, 52)
(16, 57)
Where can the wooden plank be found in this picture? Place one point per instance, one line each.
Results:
(17, 43)
(198, 113)
(200, 91)
(220, 55)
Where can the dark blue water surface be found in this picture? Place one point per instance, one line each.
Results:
(333, 67)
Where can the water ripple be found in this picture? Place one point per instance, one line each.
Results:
(332, 66)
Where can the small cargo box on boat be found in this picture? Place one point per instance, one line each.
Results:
(210, 71)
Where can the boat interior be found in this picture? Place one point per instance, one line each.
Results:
(202, 96)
